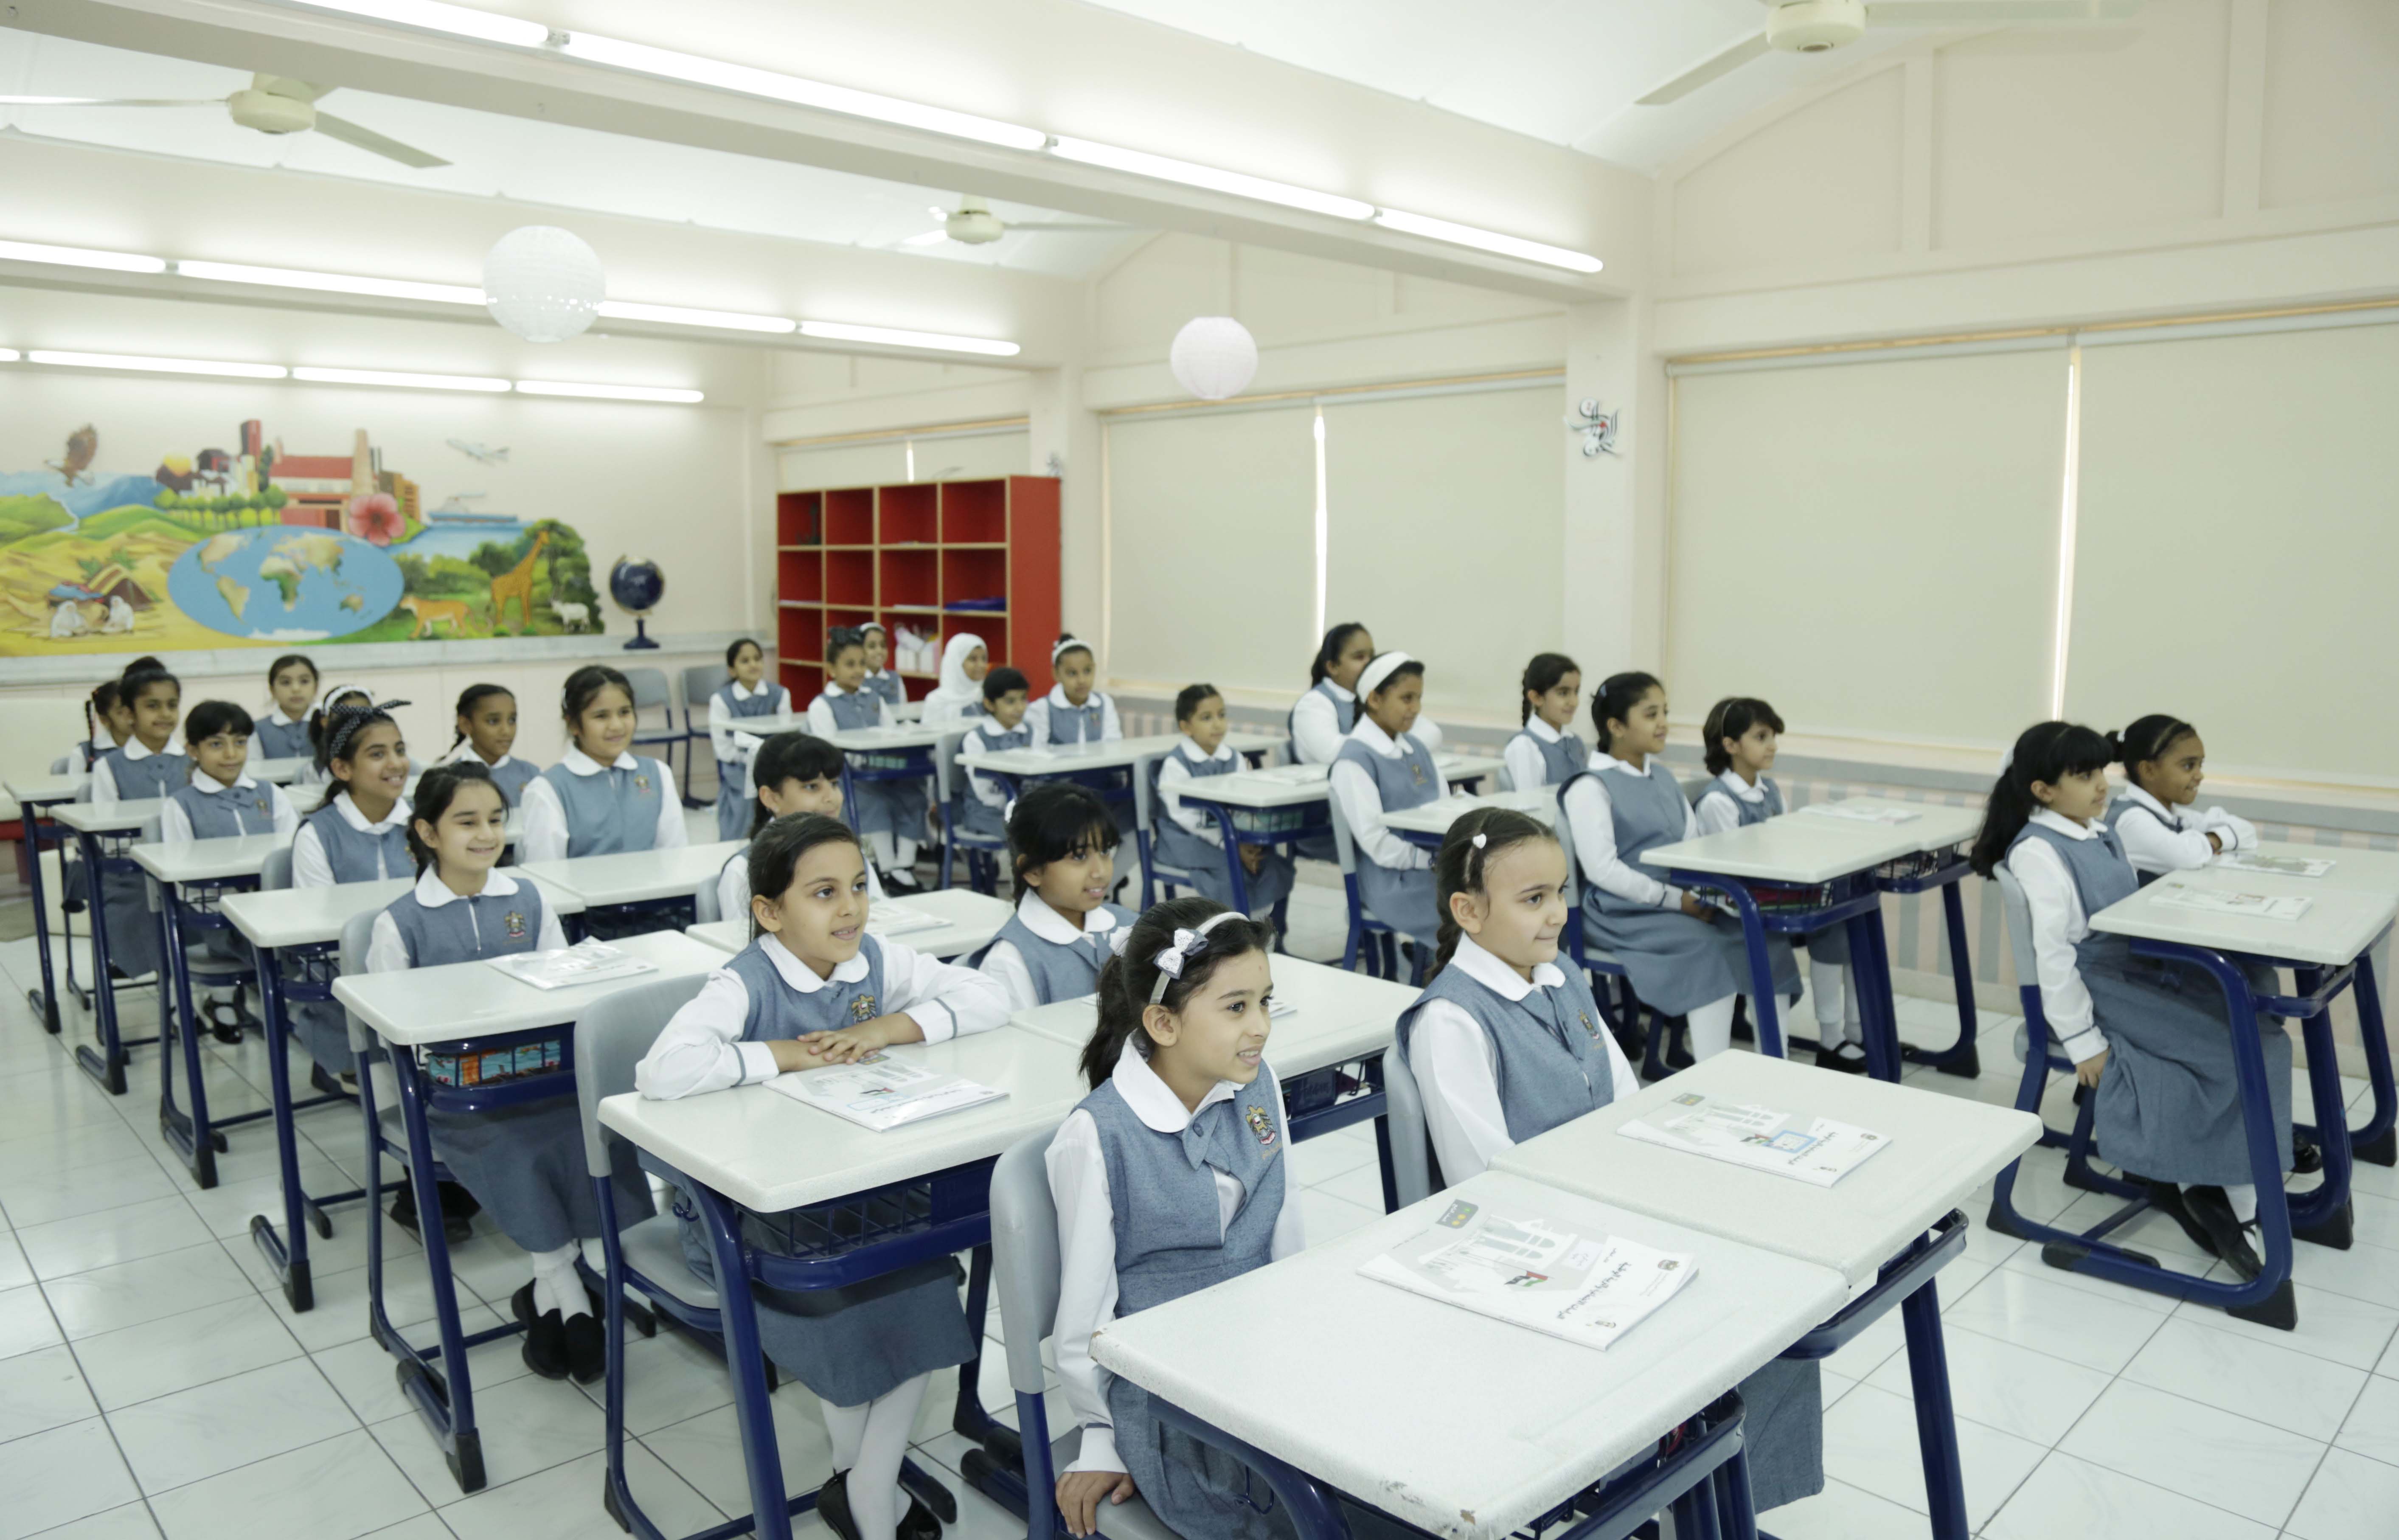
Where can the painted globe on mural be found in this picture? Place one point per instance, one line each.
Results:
(284, 582)
(636, 585)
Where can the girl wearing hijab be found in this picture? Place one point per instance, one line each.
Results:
(958, 697)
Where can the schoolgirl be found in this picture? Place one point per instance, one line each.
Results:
(794, 773)
(1384, 767)
(958, 693)
(222, 800)
(1063, 844)
(107, 723)
(748, 694)
(890, 812)
(979, 805)
(1189, 839)
(291, 685)
(524, 1164)
(487, 730)
(1169, 1177)
(1322, 718)
(1546, 750)
(1073, 712)
(357, 834)
(313, 773)
(815, 988)
(881, 678)
(2158, 817)
(601, 797)
(151, 763)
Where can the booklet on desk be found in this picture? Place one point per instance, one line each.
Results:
(1861, 815)
(881, 1093)
(2262, 906)
(2285, 866)
(1814, 1150)
(888, 919)
(1275, 1008)
(1529, 1271)
(585, 963)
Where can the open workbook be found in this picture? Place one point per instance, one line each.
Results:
(1532, 1270)
(1861, 812)
(890, 919)
(2285, 866)
(880, 1092)
(1797, 1144)
(2209, 900)
(585, 963)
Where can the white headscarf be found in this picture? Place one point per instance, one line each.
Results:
(955, 692)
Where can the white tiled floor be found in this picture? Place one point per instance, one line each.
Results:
(153, 1382)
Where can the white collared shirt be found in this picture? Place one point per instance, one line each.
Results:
(987, 789)
(701, 1048)
(175, 825)
(733, 887)
(312, 868)
(2058, 924)
(1527, 769)
(1456, 1065)
(1173, 772)
(731, 742)
(388, 953)
(104, 777)
(2158, 838)
(1316, 734)
(1590, 814)
(1086, 1235)
(1005, 964)
(545, 816)
(1362, 803)
(464, 754)
(820, 718)
(1717, 810)
(1037, 716)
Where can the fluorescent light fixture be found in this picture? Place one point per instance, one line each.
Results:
(433, 15)
(1487, 241)
(889, 337)
(392, 377)
(610, 392)
(1165, 169)
(157, 366)
(8, 355)
(331, 283)
(75, 256)
(675, 315)
(776, 87)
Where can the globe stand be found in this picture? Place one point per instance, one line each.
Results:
(641, 642)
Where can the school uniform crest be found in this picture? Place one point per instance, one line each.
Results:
(1590, 1029)
(641, 781)
(513, 922)
(863, 1008)
(260, 802)
(1262, 1124)
(1415, 772)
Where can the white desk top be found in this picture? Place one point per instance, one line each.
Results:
(281, 772)
(441, 1005)
(636, 875)
(2354, 871)
(1064, 758)
(770, 1153)
(1340, 1016)
(311, 916)
(1936, 826)
(1463, 1426)
(1295, 785)
(1434, 817)
(206, 860)
(974, 918)
(47, 789)
(1788, 849)
(857, 741)
(1943, 1147)
(2341, 921)
(92, 818)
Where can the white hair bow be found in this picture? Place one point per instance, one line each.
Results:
(1186, 943)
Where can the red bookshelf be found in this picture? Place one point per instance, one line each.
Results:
(901, 555)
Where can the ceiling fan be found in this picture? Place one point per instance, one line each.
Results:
(1819, 26)
(973, 224)
(272, 104)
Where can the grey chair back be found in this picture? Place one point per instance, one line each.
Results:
(650, 689)
(358, 931)
(705, 908)
(1345, 846)
(610, 1039)
(1411, 1137)
(275, 873)
(699, 681)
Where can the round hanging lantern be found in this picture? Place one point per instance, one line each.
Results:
(1215, 357)
(543, 283)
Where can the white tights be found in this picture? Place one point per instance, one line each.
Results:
(1833, 988)
(869, 1441)
(555, 1285)
(890, 855)
(1710, 1027)
(2242, 1196)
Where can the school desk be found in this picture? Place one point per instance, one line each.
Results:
(35, 796)
(106, 837)
(969, 921)
(636, 882)
(1942, 832)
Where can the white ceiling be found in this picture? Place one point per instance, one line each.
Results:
(521, 160)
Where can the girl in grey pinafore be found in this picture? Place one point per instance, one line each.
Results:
(227, 814)
(1828, 945)
(356, 856)
(1677, 962)
(1177, 846)
(895, 808)
(733, 789)
(2169, 1102)
(966, 810)
(1562, 758)
(1320, 847)
(1162, 1193)
(1552, 1069)
(1066, 972)
(132, 926)
(850, 1345)
(1403, 900)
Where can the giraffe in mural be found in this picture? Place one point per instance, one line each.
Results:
(517, 584)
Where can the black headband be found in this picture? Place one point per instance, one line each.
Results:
(343, 724)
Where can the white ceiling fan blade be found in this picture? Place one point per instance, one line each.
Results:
(375, 143)
(930, 237)
(284, 86)
(1997, 13)
(110, 101)
(1032, 225)
(1691, 80)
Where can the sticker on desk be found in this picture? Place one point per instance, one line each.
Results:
(2255, 906)
(2281, 865)
(883, 1093)
(1806, 1148)
(1859, 812)
(561, 968)
(1531, 1271)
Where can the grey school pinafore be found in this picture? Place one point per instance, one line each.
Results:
(968, 811)
(1677, 962)
(1177, 846)
(1828, 945)
(227, 814)
(355, 856)
(132, 923)
(896, 807)
(1404, 901)
(1063, 970)
(733, 789)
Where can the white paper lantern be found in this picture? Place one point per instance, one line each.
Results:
(1215, 357)
(543, 283)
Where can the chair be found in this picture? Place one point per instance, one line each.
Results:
(1413, 1175)
(1145, 805)
(1025, 1267)
(1366, 934)
(984, 852)
(651, 691)
(705, 909)
(1616, 1002)
(700, 681)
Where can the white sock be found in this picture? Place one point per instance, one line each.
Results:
(878, 844)
(555, 1286)
(907, 849)
(1853, 1023)
(2242, 1196)
(1710, 1027)
(1824, 992)
(869, 1441)
(385, 1083)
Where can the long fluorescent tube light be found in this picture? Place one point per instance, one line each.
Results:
(432, 15)
(844, 332)
(676, 314)
(1487, 241)
(331, 283)
(1166, 169)
(393, 377)
(77, 256)
(610, 392)
(157, 366)
(8, 355)
(777, 86)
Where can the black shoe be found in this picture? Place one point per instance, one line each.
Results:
(902, 881)
(323, 1084)
(919, 1524)
(2166, 1198)
(1679, 1054)
(457, 1203)
(1839, 1062)
(454, 1228)
(586, 1347)
(832, 1505)
(225, 1020)
(2227, 1237)
(2305, 1158)
(545, 1336)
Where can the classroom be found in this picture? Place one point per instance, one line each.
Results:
(712, 717)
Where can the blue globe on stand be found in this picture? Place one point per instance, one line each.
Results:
(636, 585)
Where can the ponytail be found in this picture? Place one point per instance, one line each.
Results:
(1129, 980)
(1617, 695)
(472, 697)
(1541, 676)
(1329, 649)
(1466, 854)
(2047, 752)
(2144, 741)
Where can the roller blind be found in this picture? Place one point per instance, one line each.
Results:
(966, 459)
(1445, 518)
(1872, 546)
(2239, 528)
(869, 464)
(1211, 533)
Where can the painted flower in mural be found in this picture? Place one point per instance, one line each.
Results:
(375, 517)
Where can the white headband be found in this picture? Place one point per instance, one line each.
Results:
(332, 693)
(1378, 668)
(1066, 644)
(1186, 943)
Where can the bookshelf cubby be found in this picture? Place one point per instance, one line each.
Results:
(901, 555)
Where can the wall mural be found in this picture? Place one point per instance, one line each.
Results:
(256, 545)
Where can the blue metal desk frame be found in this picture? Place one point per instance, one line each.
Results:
(103, 853)
(46, 833)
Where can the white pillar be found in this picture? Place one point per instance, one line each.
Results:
(1613, 555)
(1062, 429)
